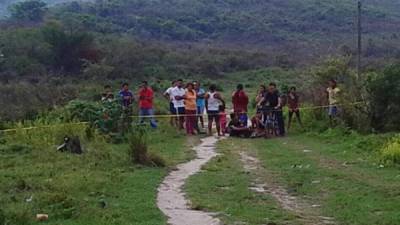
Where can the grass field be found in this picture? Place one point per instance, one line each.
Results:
(101, 186)
(340, 177)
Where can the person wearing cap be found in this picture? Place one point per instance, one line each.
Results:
(146, 96)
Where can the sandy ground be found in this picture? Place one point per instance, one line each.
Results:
(171, 199)
(308, 214)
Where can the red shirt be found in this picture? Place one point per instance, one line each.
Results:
(293, 101)
(146, 98)
(240, 101)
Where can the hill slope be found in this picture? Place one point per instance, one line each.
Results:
(309, 27)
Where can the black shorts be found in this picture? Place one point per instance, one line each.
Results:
(213, 115)
(172, 108)
(181, 110)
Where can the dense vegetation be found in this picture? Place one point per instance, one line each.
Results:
(55, 59)
(47, 52)
(307, 28)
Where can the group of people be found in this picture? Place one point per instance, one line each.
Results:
(189, 102)
(145, 97)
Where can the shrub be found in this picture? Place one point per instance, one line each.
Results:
(384, 92)
(139, 149)
(104, 116)
(2, 217)
(351, 115)
(24, 101)
(391, 151)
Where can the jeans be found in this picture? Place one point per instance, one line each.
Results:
(147, 113)
(332, 110)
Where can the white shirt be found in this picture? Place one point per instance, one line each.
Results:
(176, 91)
(213, 103)
(168, 91)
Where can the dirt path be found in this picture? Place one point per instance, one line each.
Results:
(171, 199)
(308, 214)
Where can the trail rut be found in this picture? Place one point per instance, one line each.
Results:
(306, 213)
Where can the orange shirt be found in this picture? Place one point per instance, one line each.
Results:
(190, 101)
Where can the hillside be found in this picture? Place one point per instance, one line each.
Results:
(5, 4)
(303, 26)
(107, 41)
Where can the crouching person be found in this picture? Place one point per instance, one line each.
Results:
(237, 128)
(258, 126)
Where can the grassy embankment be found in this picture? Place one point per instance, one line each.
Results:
(102, 186)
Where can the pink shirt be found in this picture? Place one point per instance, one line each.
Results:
(222, 118)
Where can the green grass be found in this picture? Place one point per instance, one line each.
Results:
(352, 188)
(73, 189)
(340, 174)
(223, 187)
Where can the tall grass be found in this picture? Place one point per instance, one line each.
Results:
(391, 151)
(138, 149)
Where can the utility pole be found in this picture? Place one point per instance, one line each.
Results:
(359, 29)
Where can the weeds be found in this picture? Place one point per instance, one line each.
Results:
(138, 149)
(391, 151)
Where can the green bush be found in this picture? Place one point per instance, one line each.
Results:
(384, 92)
(138, 151)
(353, 112)
(104, 116)
(391, 151)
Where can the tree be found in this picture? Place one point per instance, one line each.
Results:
(69, 50)
(28, 11)
(384, 92)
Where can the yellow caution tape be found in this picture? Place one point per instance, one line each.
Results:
(166, 116)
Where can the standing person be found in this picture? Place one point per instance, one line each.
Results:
(107, 95)
(126, 96)
(167, 94)
(333, 99)
(178, 97)
(273, 103)
(240, 100)
(213, 101)
(190, 108)
(126, 101)
(261, 93)
(146, 96)
(293, 105)
(200, 102)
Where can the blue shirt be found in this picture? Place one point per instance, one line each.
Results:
(200, 101)
(243, 119)
(126, 102)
